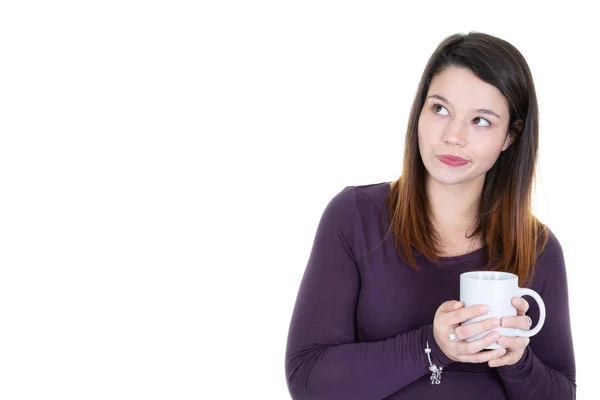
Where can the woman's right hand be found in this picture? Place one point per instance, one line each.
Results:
(448, 318)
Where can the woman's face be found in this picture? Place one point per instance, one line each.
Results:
(463, 117)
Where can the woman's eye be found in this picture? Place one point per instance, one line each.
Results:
(438, 109)
(477, 121)
(441, 110)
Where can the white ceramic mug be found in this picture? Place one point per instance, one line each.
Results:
(496, 290)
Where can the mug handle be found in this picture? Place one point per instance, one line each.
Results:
(522, 292)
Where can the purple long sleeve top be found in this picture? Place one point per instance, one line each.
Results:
(363, 316)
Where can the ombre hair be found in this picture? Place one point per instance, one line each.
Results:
(514, 237)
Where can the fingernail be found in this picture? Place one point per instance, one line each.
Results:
(495, 322)
(500, 352)
(495, 335)
(483, 309)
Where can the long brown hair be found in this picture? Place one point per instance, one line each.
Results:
(513, 235)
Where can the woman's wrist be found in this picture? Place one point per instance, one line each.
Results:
(437, 355)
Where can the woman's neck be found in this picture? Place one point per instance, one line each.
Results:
(454, 209)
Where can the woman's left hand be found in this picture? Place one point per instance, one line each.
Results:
(515, 346)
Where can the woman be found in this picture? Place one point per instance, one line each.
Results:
(383, 275)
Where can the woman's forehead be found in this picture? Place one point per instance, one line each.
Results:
(463, 89)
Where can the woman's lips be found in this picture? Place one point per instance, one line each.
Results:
(453, 161)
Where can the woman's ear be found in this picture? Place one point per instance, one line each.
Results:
(515, 129)
(517, 126)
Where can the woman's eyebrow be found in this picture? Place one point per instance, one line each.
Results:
(479, 110)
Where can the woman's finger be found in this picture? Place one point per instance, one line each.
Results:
(468, 331)
(467, 348)
(483, 356)
(515, 343)
(521, 305)
(509, 359)
(518, 322)
(450, 305)
(464, 314)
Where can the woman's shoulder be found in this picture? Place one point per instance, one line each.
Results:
(357, 195)
(552, 250)
(550, 266)
(355, 202)
(370, 196)
(375, 192)
(355, 213)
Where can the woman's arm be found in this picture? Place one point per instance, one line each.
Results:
(323, 359)
(547, 368)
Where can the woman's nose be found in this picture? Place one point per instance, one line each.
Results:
(455, 133)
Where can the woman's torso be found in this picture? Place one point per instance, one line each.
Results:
(395, 298)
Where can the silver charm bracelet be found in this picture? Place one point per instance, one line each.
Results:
(436, 372)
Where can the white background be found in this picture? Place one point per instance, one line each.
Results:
(164, 165)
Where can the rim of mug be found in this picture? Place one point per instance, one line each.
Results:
(475, 275)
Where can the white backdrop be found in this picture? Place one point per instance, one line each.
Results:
(164, 165)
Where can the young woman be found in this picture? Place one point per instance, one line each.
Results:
(382, 279)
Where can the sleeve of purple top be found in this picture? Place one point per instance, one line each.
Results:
(323, 359)
(547, 368)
